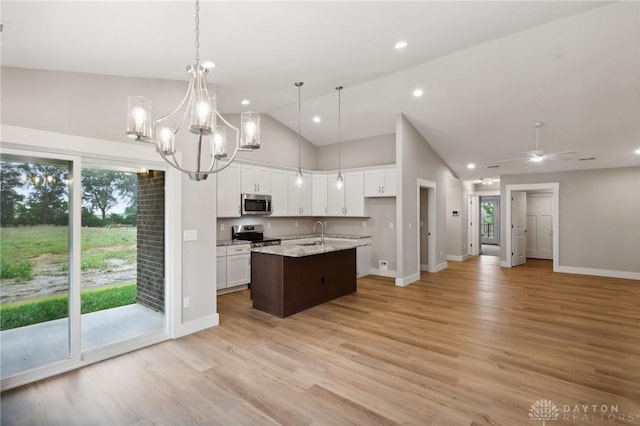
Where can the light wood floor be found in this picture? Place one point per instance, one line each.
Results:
(471, 345)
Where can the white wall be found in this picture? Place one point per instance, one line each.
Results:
(416, 159)
(599, 217)
(373, 151)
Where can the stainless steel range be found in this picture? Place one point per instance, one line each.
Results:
(253, 234)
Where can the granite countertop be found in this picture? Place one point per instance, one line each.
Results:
(295, 250)
(298, 237)
(221, 243)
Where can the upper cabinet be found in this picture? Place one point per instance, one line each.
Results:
(279, 192)
(380, 183)
(299, 196)
(256, 180)
(228, 191)
(348, 200)
(319, 195)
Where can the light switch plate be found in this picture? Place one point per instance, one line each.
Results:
(191, 235)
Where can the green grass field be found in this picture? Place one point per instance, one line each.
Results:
(22, 247)
(20, 314)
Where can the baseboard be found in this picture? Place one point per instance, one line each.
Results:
(504, 264)
(384, 272)
(599, 272)
(401, 282)
(457, 258)
(196, 325)
(440, 266)
(424, 267)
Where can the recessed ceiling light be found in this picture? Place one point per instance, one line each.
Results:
(417, 93)
(208, 64)
(471, 166)
(316, 119)
(401, 44)
(637, 151)
(245, 102)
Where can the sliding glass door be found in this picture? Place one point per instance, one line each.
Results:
(35, 263)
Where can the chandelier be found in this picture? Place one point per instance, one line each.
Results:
(196, 115)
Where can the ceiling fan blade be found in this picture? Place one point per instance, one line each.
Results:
(563, 155)
(514, 159)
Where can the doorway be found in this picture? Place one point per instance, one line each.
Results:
(534, 229)
(489, 225)
(426, 229)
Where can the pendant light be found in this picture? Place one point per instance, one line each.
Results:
(340, 179)
(299, 180)
(197, 114)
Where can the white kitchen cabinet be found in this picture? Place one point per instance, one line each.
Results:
(299, 196)
(348, 200)
(319, 195)
(221, 272)
(256, 180)
(279, 192)
(238, 265)
(380, 183)
(228, 191)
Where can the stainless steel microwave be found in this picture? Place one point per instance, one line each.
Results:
(256, 204)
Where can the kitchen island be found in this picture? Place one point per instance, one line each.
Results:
(288, 279)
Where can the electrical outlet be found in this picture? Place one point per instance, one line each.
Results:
(222, 226)
(186, 302)
(191, 235)
(383, 264)
(409, 225)
(390, 225)
(268, 224)
(364, 224)
(295, 224)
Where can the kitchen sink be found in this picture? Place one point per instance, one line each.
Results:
(315, 243)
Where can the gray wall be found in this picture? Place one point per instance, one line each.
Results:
(95, 106)
(373, 151)
(480, 187)
(457, 234)
(599, 216)
(417, 159)
(279, 145)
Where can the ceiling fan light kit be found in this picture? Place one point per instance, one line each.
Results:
(537, 155)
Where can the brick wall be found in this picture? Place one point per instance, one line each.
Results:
(151, 240)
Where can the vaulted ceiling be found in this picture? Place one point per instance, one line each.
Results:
(488, 70)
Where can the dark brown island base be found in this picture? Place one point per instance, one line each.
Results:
(289, 279)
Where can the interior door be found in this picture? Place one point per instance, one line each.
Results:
(490, 220)
(518, 228)
(539, 226)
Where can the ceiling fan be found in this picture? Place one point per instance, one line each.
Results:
(538, 155)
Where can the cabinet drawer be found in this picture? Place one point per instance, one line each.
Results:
(221, 251)
(234, 250)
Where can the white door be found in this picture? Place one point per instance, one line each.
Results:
(518, 228)
(373, 183)
(305, 196)
(539, 226)
(238, 270)
(221, 272)
(256, 180)
(319, 195)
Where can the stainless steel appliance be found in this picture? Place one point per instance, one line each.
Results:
(256, 204)
(253, 234)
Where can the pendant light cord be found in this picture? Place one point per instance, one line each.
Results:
(197, 33)
(299, 86)
(339, 89)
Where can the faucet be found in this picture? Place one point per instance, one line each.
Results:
(321, 229)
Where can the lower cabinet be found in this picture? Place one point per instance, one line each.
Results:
(233, 266)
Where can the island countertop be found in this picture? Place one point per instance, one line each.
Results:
(295, 250)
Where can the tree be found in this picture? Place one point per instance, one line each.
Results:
(103, 189)
(47, 202)
(10, 179)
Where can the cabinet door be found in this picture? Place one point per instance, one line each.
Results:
(335, 196)
(221, 272)
(354, 193)
(238, 270)
(299, 196)
(373, 183)
(319, 195)
(279, 193)
(256, 180)
(228, 191)
(389, 188)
